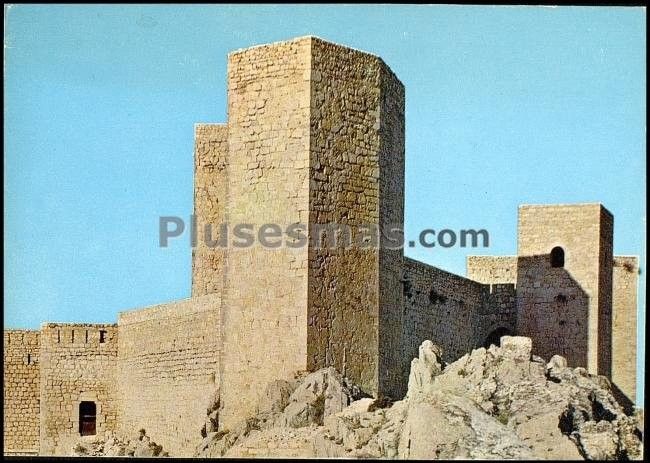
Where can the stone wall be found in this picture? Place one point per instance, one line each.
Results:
(21, 400)
(391, 157)
(264, 304)
(492, 269)
(553, 309)
(356, 178)
(626, 276)
(168, 370)
(561, 308)
(441, 307)
(497, 316)
(78, 363)
(456, 313)
(210, 153)
(605, 274)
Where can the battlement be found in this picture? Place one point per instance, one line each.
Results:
(78, 335)
(21, 337)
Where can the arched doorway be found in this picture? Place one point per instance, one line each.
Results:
(87, 418)
(557, 257)
(494, 338)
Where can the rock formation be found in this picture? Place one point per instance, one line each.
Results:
(500, 402)
(139, 446)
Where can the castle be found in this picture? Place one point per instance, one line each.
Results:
(315, 135)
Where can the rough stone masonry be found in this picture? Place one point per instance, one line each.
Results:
(315, 135)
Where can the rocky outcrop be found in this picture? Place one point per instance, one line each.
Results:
(496, 403)
(425, 367)
(139, 446)
(283, 407)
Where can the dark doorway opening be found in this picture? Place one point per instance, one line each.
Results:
(494, 338)
(87, 418)
(557, 257)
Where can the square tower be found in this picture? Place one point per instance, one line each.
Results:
(624, 325)
(210, 157)
(564, 282)
(315, 137)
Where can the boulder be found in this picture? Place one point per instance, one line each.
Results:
(276, 396)
(424, 368)
(319, 395)
(516, 347)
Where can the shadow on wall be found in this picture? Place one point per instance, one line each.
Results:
(552, 308)
(494, 338)
(623, 400)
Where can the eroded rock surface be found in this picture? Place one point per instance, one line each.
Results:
(496, 403)
(138, 446)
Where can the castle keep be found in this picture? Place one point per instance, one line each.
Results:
(315, 135)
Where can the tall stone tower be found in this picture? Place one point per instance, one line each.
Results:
(564, 282)
(624, 325)
(210, 157)
(315, 136)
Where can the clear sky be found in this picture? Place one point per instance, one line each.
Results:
(504, 105)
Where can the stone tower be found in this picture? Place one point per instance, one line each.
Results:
(315, 136)
(210, 153)
(564, 282)
(624, 325)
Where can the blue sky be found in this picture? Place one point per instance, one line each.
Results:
(504, 105)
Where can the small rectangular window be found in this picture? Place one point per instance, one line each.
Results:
(102, 336)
